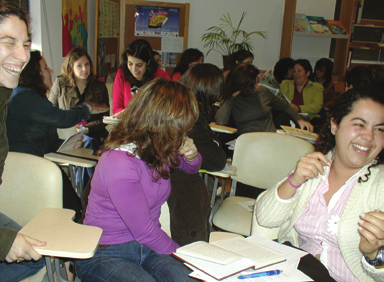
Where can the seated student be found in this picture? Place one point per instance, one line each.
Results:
(282, 70)
(358, 77)
(250, 104)
(323, 75)
(137, 67)
(32, 120)
(131, 183)
(189, 202)
(78, 85)
(188, 58)
(18, 258)
(331, 205)
(305, 96)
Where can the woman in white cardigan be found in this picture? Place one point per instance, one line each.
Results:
(332, 204)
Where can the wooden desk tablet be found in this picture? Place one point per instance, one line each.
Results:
(64, 237)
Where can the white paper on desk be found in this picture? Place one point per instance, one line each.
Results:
(290, 274)
(70, 141)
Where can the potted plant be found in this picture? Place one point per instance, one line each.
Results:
(227, 38)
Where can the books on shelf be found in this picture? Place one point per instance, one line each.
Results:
(336, 27)
(302, 24)
(316, 25)
(319, 25)
(224, 258)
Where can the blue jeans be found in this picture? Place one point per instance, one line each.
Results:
(134, 262)
(11, 272)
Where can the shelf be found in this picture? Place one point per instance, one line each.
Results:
(367, 45)
(319, 35)
(374, 23)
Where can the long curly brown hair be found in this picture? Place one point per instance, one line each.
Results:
(343, 106)
(157, 120)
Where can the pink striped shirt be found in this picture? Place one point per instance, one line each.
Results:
(318, 227)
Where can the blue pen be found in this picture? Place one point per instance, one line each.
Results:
(260, 274)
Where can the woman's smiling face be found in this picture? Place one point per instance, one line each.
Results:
(360, 135)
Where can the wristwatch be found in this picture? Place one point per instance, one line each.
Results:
(378, 261)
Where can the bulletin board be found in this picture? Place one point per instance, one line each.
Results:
(107, 36)
(128, 21)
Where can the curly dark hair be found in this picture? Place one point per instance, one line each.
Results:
(206, 81)
(343, 106)
(67, 65)
(31, 77)
(157, 120)
(141, 49)
(189, 56)
(242, 78)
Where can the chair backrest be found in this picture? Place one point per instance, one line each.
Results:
(30, 184)
(264, 158)
(165, 219)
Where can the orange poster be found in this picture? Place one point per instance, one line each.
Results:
(75, 25)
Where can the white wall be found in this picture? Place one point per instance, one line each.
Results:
(264, 15)
(46, 26)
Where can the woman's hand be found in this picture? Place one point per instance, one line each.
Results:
(305, 125)
(308, 167)
(371, 229)
(78, 143)
(22, 249)
(188, 150)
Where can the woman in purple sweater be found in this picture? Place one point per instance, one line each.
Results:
(131, 183)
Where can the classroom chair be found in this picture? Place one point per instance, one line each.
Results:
(30, 184)
(262, 159)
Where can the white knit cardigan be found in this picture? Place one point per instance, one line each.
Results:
(365, 197)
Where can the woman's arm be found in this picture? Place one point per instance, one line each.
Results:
(214, 157)
(224, 112)
(120, 89)
(190, 159)
(30, 106)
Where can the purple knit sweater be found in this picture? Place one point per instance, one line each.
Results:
(125, 201)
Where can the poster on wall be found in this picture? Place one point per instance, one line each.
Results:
(157, 21)
(75, 25)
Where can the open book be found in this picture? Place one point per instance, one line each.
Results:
(304, 134)
(70, 141)
(224, 258)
